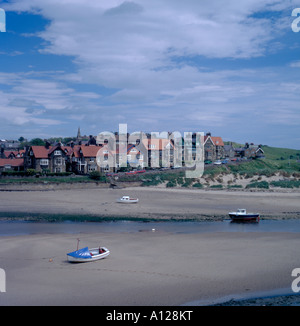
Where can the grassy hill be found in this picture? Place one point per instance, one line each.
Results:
(275, 153)
(277, 160)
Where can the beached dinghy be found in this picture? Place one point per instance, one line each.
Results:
(241, 215)
(85, 254)
(128, 200)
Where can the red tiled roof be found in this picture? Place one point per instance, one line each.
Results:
(218, 141)
(90, 151)
(40, 151)
(43, 152)
(12, 162)
(21, 152)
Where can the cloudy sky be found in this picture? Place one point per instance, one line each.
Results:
(227, 67)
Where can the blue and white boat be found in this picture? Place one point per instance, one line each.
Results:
(86, 255)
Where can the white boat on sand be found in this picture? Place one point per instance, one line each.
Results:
(85, 254)
(128, 200)
(242, 215)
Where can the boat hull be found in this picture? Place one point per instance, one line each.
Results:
(95, 255)
(128, 201)
(244, 218)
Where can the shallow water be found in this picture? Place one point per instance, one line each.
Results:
(16, 228)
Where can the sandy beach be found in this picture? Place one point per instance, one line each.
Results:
(147, 268)
(156, 203)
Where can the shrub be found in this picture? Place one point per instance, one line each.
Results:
(286, 183)
(95, 175)
(258, 184)
(187, 182)
(150, 182)
(171, 184)
(14, 173)
(198, 185)
(216, 186)
(30, 172)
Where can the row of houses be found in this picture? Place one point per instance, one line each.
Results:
(102, 156)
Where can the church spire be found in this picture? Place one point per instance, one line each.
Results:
(78, 134)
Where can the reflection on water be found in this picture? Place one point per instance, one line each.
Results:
(15, 228)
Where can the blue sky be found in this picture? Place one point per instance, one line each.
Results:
(231, 68)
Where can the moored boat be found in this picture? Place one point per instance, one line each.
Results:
(85, 254)
(128, 200)
(241, 215)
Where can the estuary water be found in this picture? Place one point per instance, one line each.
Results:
(17, 228)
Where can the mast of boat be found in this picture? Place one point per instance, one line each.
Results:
(78, 240)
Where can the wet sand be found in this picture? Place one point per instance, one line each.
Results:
(146, 268)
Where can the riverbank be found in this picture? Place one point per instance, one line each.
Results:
(154, 203)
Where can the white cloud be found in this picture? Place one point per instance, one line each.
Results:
(37, 101)
(142, 49)
(295, 64)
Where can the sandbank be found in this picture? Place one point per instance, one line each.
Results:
(154, 203)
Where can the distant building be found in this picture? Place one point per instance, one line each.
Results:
(11, 160)
(250, 151)
(10, 144)
(213, 147)
(11, 164)
(229, 151)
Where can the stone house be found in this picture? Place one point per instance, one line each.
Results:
(213, 148)
(47, 158)
(84, 158)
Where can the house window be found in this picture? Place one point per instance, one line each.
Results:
(44, 162)
(58, 161)
(57, 152)
(91, 167)
(58, 169)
